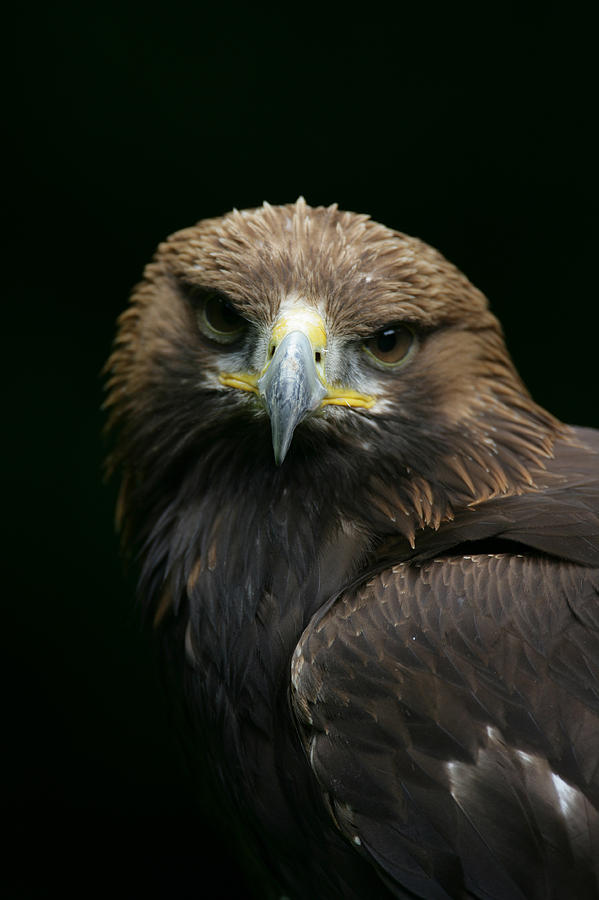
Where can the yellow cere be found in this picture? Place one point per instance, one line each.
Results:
(307, 320)
(300, 318)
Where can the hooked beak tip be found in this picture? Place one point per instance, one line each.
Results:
(290, 390)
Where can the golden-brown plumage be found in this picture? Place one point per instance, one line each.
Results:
(439, 463)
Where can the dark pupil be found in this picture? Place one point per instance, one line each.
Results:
(228, 314)
(222, 316)
(386, 340)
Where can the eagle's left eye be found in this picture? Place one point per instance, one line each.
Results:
(390, 346)
(219, 320)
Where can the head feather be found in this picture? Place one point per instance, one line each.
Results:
(462, 430)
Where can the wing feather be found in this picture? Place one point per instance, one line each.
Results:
(450, 704)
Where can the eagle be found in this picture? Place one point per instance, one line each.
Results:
(371, 560)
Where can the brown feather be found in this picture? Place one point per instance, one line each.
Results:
(363, 275)
(438, 552)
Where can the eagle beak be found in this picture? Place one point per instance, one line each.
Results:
(290, 389)
(292, 383)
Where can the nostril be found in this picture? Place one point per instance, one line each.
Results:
(272, 351)
(317, 356)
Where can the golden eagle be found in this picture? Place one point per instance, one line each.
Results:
(373, 560)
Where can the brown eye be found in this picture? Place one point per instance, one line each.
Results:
(391, 345)
(219, 320)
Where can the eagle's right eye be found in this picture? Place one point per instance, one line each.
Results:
(219, 320)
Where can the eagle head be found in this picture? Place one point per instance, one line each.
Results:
(289, 339)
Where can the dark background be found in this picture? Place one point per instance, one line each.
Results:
(467, 125)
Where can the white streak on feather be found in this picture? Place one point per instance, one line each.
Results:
(567, 796)
(568, 800)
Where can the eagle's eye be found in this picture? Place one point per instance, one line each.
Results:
(391, 345)
(218, 319)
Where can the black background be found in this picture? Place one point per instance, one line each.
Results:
(470, 126)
